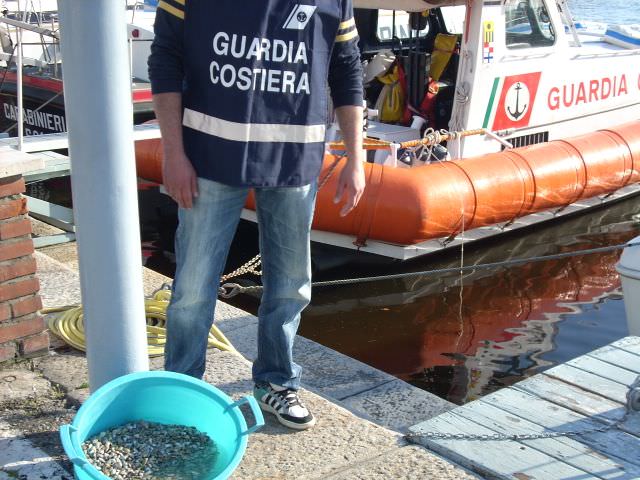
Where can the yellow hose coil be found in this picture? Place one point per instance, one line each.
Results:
(68, 325)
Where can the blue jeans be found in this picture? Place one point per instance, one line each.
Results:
(203, 238)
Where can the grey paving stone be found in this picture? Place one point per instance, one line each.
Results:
(334, 374)
(59, 284)
(228, 371)
(325, 371)
(229, 318)
(69, 371)
(339, 438)
(41, 229)
(244, 340)
(398, 405)
(410, 463)
(19, 459)
(18, 384)
(152, 281)
(65, 253)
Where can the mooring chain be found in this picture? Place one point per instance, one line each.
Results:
(229, 290)
(250, 267)
(632, 406)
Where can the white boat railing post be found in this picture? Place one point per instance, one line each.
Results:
(629, 269)
(19, 86)
(564, 12)
(99, 111)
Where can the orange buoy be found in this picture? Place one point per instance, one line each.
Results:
(410, 205)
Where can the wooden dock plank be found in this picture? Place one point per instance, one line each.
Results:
(600, 452)
(604, 369)
(619, 357)
(495, 459)
(564, 449)
(572, 397)
(586, 393)
(589, 382)
(630, 344)
(632, 424)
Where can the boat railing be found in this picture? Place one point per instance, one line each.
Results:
(47, 32)
(50, 37)
(568, 19)
(611, 53)
(17, 53)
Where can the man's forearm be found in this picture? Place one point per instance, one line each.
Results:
(168, 109)
(350, 122)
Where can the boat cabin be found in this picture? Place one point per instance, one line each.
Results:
(521, 69)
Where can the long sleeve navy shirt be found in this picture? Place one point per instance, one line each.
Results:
(253, 76)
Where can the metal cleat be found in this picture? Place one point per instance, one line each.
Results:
(633, 396)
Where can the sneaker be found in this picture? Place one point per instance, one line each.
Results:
(285, 404)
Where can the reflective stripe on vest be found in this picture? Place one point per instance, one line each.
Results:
(253, 132)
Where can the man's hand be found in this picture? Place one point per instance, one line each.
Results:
(350, 184)
(179, 178)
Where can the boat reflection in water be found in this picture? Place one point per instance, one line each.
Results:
(462, 338)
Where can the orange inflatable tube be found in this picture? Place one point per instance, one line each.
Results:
(411, 205)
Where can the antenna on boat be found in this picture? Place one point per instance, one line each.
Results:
(19, 87)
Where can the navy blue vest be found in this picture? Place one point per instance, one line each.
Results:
(253, 74)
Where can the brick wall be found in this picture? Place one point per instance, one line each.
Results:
(22, 328)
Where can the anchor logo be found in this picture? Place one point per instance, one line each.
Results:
(517, 100)
(299, 17)
(518, 93)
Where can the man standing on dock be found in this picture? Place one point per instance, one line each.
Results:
(240, 92)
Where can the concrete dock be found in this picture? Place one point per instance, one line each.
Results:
(362, 412)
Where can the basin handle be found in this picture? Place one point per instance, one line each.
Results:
(255, 409)
(69, 437)
(71, 445)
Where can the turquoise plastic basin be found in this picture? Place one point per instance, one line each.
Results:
(163, 397)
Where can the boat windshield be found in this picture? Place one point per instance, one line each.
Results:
(528, 24)
(454, 18)
(395, 24)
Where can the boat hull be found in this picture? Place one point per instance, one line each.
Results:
(43, 105)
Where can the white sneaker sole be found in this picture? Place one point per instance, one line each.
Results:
(284, 421)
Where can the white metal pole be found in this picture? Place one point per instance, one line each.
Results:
(629, 269)
(97, 93)
(19, 84)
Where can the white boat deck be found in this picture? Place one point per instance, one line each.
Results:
(585, 393)
(595, 46)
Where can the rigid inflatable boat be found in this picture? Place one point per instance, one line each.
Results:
(540, 119)
(409, 206)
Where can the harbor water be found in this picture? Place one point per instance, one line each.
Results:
(613, 11)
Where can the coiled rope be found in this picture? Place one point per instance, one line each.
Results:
(70, 327)
(229, 290)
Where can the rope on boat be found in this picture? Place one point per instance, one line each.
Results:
(431, 137)
(435, 137)
(69, 325)
(229, 290)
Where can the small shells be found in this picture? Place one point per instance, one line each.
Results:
(151, 451)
